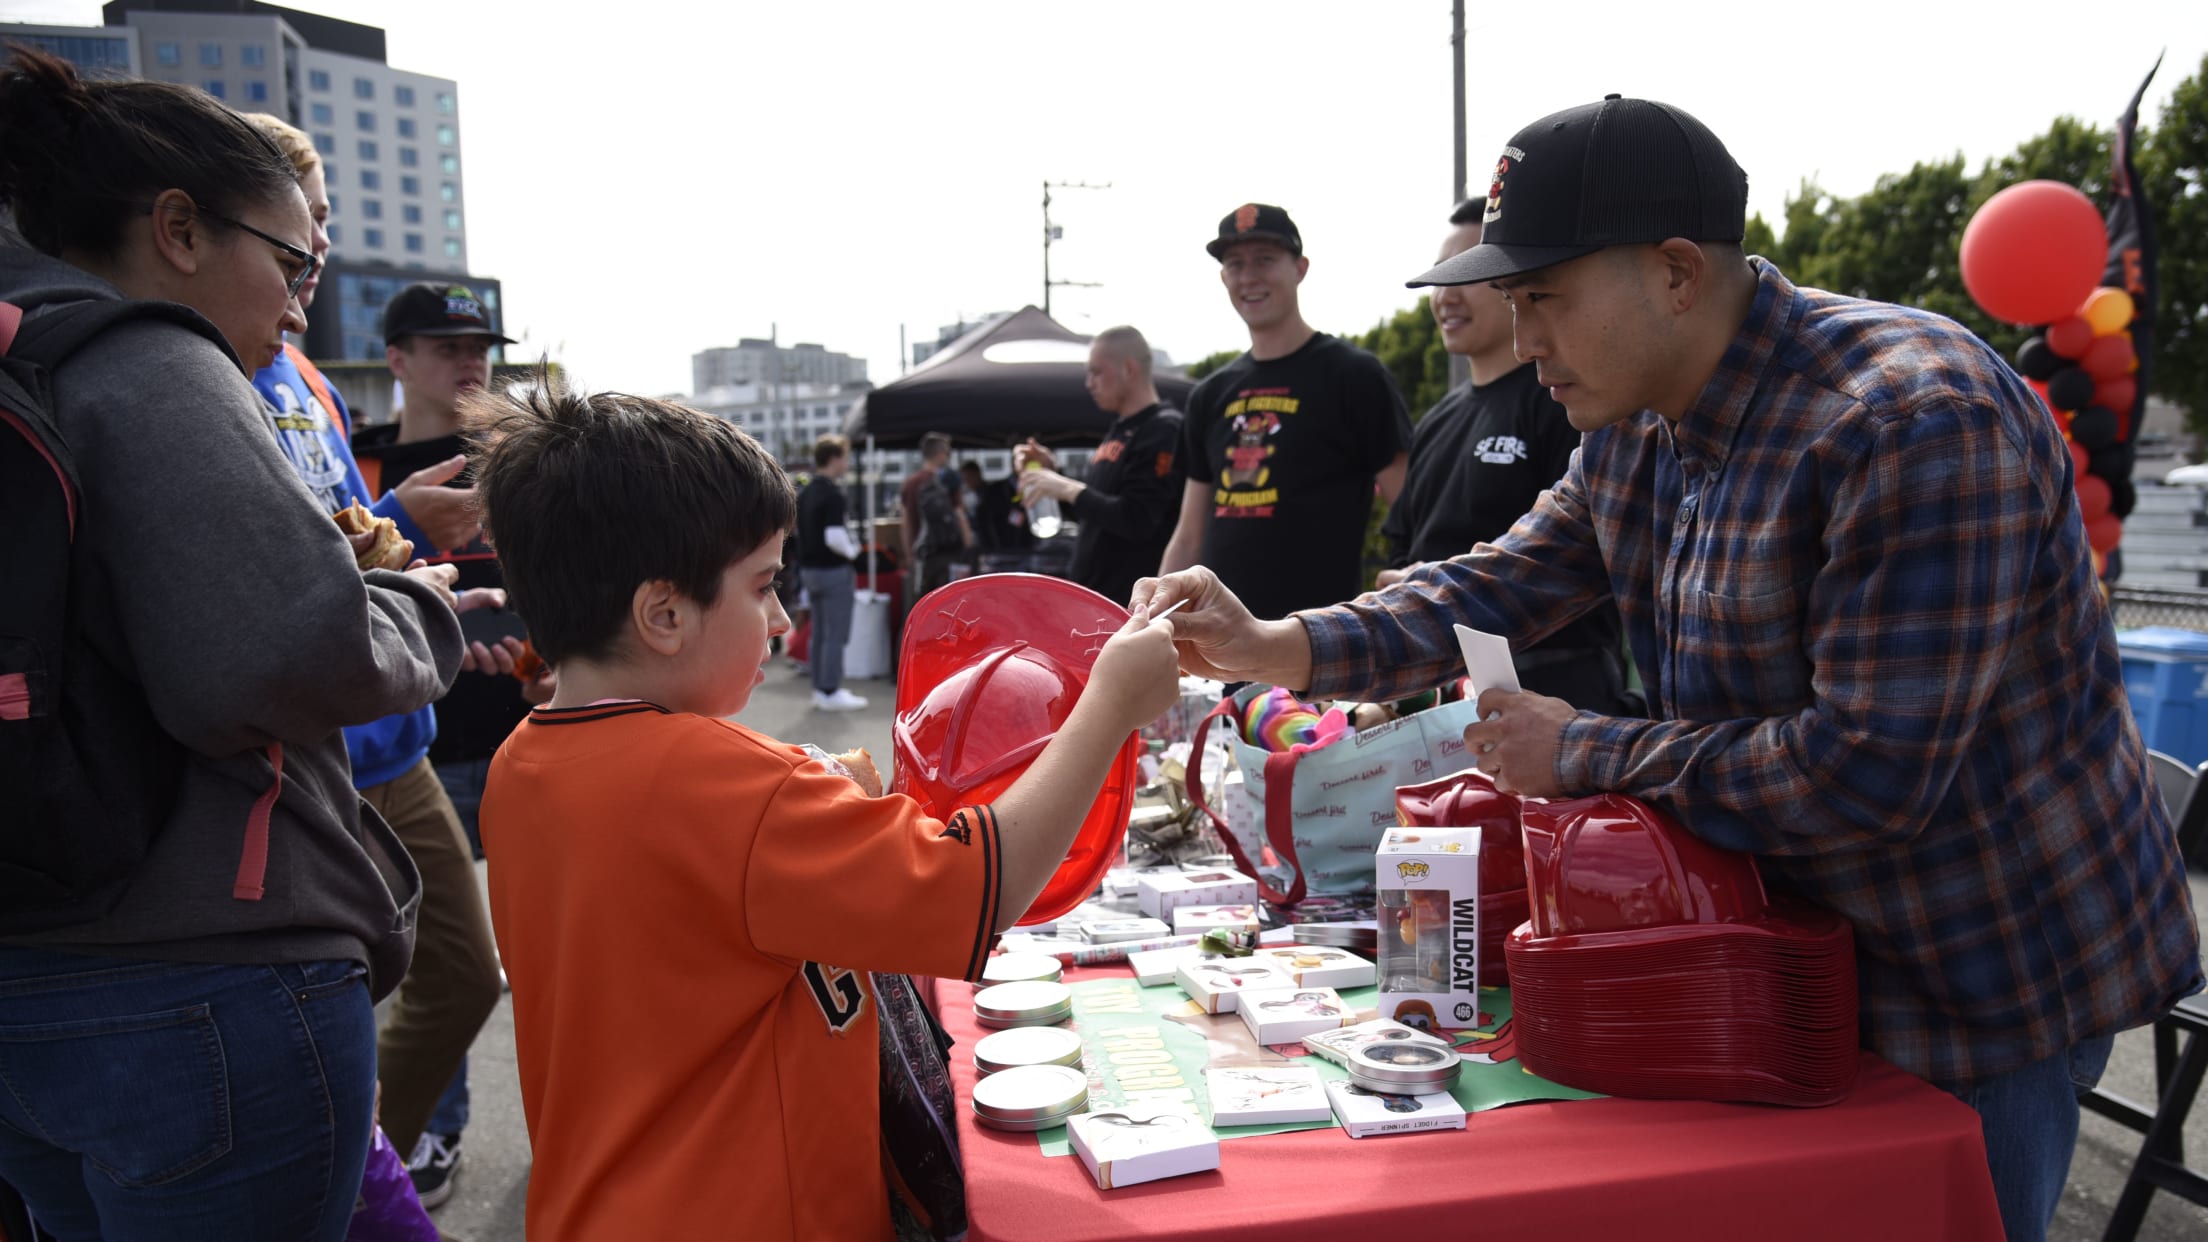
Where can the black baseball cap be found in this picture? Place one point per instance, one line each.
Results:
(430, 308)
(1603, 174)
(1260, 222)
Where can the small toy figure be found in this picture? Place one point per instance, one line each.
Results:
(1133, 1134)
(1417, 1015)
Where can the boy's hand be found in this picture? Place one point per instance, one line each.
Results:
(1219, 638)
(439, 577)
(447, 515)
(1137, 675)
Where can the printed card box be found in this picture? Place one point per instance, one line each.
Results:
(1365, 1113)
(1157, 967)
(1320, 965)
(1286, 1015)
(1265, 1096)
(1196, 920)
(1122, 882)
(1214, 983)
(1111, 931)
(1160, 895)
(1428, 882)
(1130, 1145)
(1335, 1045)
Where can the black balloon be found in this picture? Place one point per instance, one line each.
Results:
(2123, 496)
(2094, 429)
(2113, 463)
(2070, 389)
(2035, 361)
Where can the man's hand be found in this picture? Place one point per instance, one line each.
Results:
(1389, 577)
(1218, 638)
(1047, 483)
(1137, 673)
(1515, 740)
(495, 657)
(1032, 451)
(367, 539)
(479, 597)
(446, 515)
(440, 577)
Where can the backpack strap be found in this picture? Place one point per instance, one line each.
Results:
(320, 388)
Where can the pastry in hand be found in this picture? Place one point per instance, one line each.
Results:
(861, 767)
(387, 550)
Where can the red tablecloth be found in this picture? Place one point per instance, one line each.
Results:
(1899, 1159)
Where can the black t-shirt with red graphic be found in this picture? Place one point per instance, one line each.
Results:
(1290, 446)
(1133, 498)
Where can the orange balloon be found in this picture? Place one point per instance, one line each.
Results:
(2109, 310)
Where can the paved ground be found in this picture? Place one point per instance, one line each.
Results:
(487, 1204)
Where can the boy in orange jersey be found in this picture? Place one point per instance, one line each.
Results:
(672, 887)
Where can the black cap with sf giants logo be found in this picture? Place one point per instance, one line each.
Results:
(1613, 173)
(1258, 222)
(431, 308)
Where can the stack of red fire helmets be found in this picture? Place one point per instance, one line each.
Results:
(1653, 965)
(1469, 799)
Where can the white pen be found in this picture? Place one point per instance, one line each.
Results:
(1170, 611)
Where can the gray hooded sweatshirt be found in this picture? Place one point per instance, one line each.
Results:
(207, 571)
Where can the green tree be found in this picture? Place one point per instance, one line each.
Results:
(1408, 343)
(1211, 362)
(2173, 169)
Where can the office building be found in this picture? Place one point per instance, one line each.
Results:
(756, 361)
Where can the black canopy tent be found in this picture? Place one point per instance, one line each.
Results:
(1017, 376)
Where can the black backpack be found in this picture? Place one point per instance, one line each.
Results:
(87, 775)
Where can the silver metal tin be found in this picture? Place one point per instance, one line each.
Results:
(1403, 1068)
(1027, 1045)
(1030, 1097)
(1028, 1003)
(1021, 967)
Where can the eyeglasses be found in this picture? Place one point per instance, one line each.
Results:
(308, 263)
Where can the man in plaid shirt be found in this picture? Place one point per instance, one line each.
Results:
(1846, 546)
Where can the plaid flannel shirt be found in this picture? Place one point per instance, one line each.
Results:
(1857, 585)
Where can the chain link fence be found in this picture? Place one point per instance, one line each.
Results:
(2144, 606)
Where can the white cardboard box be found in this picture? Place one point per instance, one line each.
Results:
(1428, 882)
(1364, 1113)
(1156, 967)
(1321, 965)
(1160, 895)
(1284, 1015)
(1125, 1146)
(1108, 931)
(1214, 983)
(1263, 1096)
(1196, 920)
(1335, 1045)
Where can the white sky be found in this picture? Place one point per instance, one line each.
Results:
(652, 178)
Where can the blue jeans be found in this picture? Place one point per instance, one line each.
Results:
(831, 591)
(451, 1115)
(181, 1102)
(2030, 1117)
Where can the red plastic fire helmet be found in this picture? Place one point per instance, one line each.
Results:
(1469, 799)
(988, 671)
(1611, 863)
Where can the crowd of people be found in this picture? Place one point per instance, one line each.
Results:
(1838, 539)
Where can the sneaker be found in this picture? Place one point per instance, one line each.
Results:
(841, 701)
(436, 1158)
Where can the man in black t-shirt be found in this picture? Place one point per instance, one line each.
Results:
(825, 552)
(1127, 505)
(1285, 445)
(1480, 459)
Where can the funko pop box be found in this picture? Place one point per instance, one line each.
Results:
(1428, 883)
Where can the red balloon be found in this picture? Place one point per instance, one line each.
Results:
(2080, 459)
(2070, 337)
(2103, 532)
(2109, 357)
(2034, 252)
(2093, 495)
(2118, 394)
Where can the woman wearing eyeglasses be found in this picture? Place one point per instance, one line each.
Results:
(186, 1041)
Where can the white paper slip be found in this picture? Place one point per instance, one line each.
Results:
(1487, 661)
